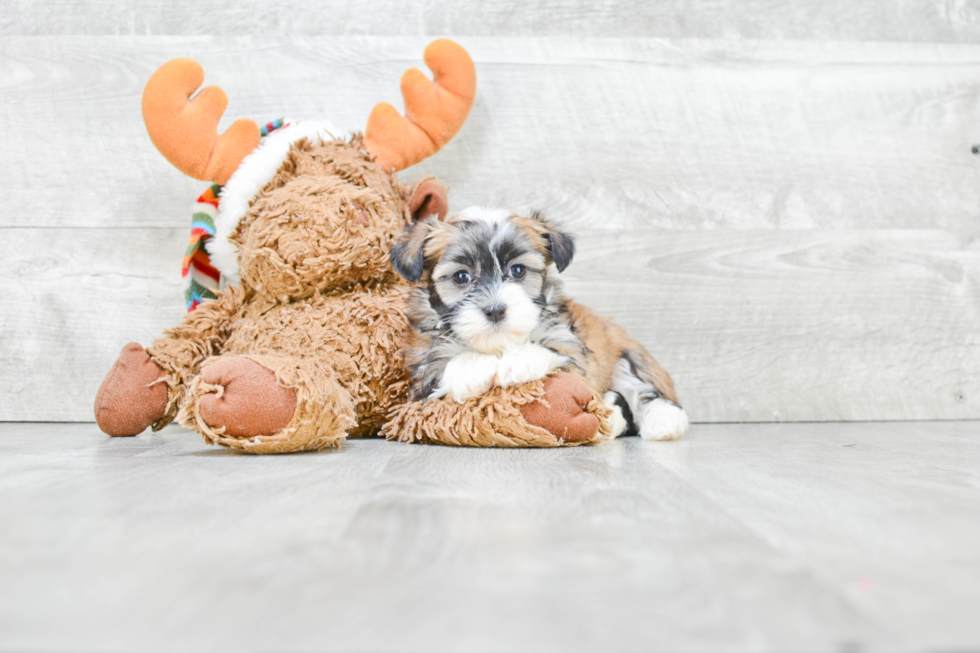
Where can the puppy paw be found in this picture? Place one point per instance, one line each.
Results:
(662, 420)
(527, 362)
(468, 375)
(617, 422)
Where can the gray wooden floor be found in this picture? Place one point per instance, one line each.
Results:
(762, 537)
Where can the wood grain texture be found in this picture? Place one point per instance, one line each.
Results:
(803, 537)
(791, 227)
(71, 299)
(798, 325)
(605, 133)
(909, 20)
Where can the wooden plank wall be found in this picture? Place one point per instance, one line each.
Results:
(778, 198)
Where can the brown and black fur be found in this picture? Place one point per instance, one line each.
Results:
(433, 341)
(595, 347)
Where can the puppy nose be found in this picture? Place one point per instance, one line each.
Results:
(495, 312)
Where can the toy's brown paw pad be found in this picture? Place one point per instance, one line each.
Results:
(250, 400)
(129, 399)
(564, 416)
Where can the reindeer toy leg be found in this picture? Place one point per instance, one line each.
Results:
(303, 347)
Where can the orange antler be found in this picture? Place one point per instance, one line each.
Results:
(186, 131)
(434, 112)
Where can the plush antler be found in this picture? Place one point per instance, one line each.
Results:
(186, 131)
(434, 112)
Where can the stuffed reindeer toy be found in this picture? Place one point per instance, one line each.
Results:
(300, 345)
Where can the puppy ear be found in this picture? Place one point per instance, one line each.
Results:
(408, 253)
(562, 249)
(428, 198)
(562, 245)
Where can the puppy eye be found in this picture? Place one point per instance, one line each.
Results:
(462, 278)
(517, 271)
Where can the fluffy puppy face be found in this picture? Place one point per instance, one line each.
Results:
(486, 275)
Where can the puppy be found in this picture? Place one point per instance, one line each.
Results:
(490, 309)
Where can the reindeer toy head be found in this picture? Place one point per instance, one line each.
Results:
(291, 197)
(294, 335)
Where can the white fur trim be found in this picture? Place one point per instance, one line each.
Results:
(255, 171)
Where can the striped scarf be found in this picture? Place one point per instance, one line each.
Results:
(201, 279)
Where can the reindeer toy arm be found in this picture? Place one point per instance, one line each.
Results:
(303, 348)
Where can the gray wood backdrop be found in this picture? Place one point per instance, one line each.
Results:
(777, 197)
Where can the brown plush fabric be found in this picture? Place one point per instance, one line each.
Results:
(496, 418)
(318, 305)
(357, 335)
(133, 394)
(182, 350)
(304, 235)
(322, 418)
